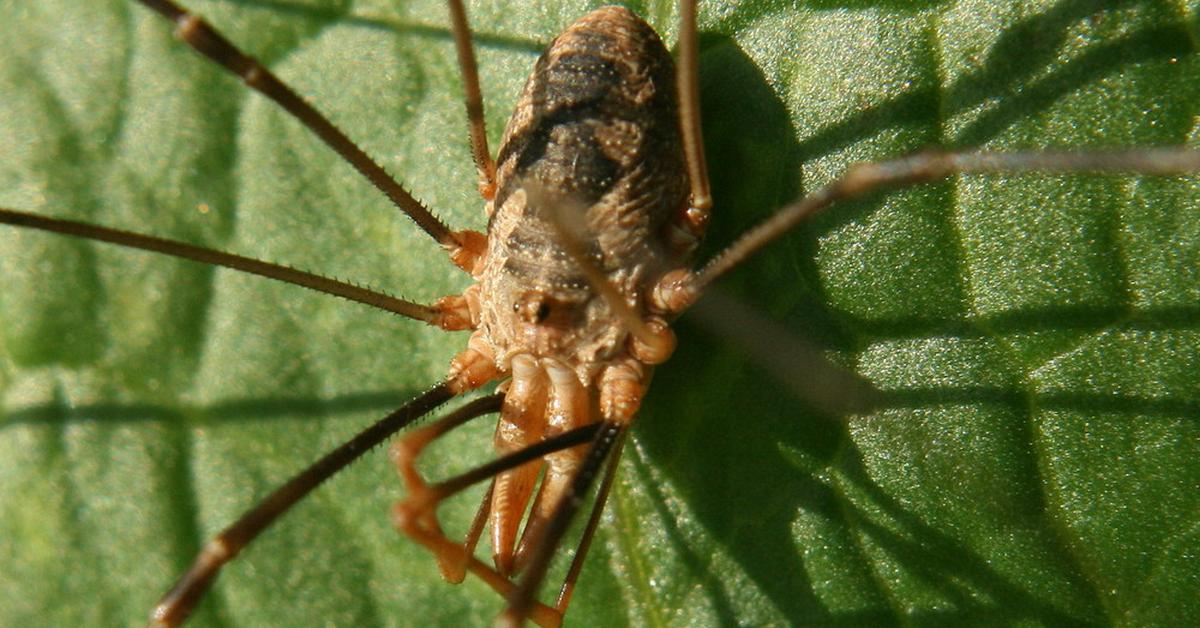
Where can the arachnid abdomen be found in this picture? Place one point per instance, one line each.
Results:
(594, 144)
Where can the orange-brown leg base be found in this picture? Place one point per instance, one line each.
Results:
(416, 517)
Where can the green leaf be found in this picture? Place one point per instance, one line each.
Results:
(1034, 460)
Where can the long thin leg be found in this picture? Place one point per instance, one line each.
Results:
(689, 108)
(473, 97)
(181, 599)
(415, 515)
(931, 166)
(523, 598)
(585, 541)
(578, 436)
(228, 260)
(404, 454)
(200, 35)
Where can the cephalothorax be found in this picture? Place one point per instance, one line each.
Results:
(596, 201)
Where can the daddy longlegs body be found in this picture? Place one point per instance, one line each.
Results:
(48, 406)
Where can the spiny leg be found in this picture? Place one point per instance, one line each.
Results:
(449, 313)
(429, 314)
(201, 36)
(181, 599)
(473, 98)
(679, 289)
(415, 515)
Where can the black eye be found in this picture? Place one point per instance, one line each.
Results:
(543, 312)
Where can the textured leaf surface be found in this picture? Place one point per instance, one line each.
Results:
(1035, 460)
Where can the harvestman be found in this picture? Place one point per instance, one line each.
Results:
(582, 272)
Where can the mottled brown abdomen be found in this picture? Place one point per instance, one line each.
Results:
(595, 141)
